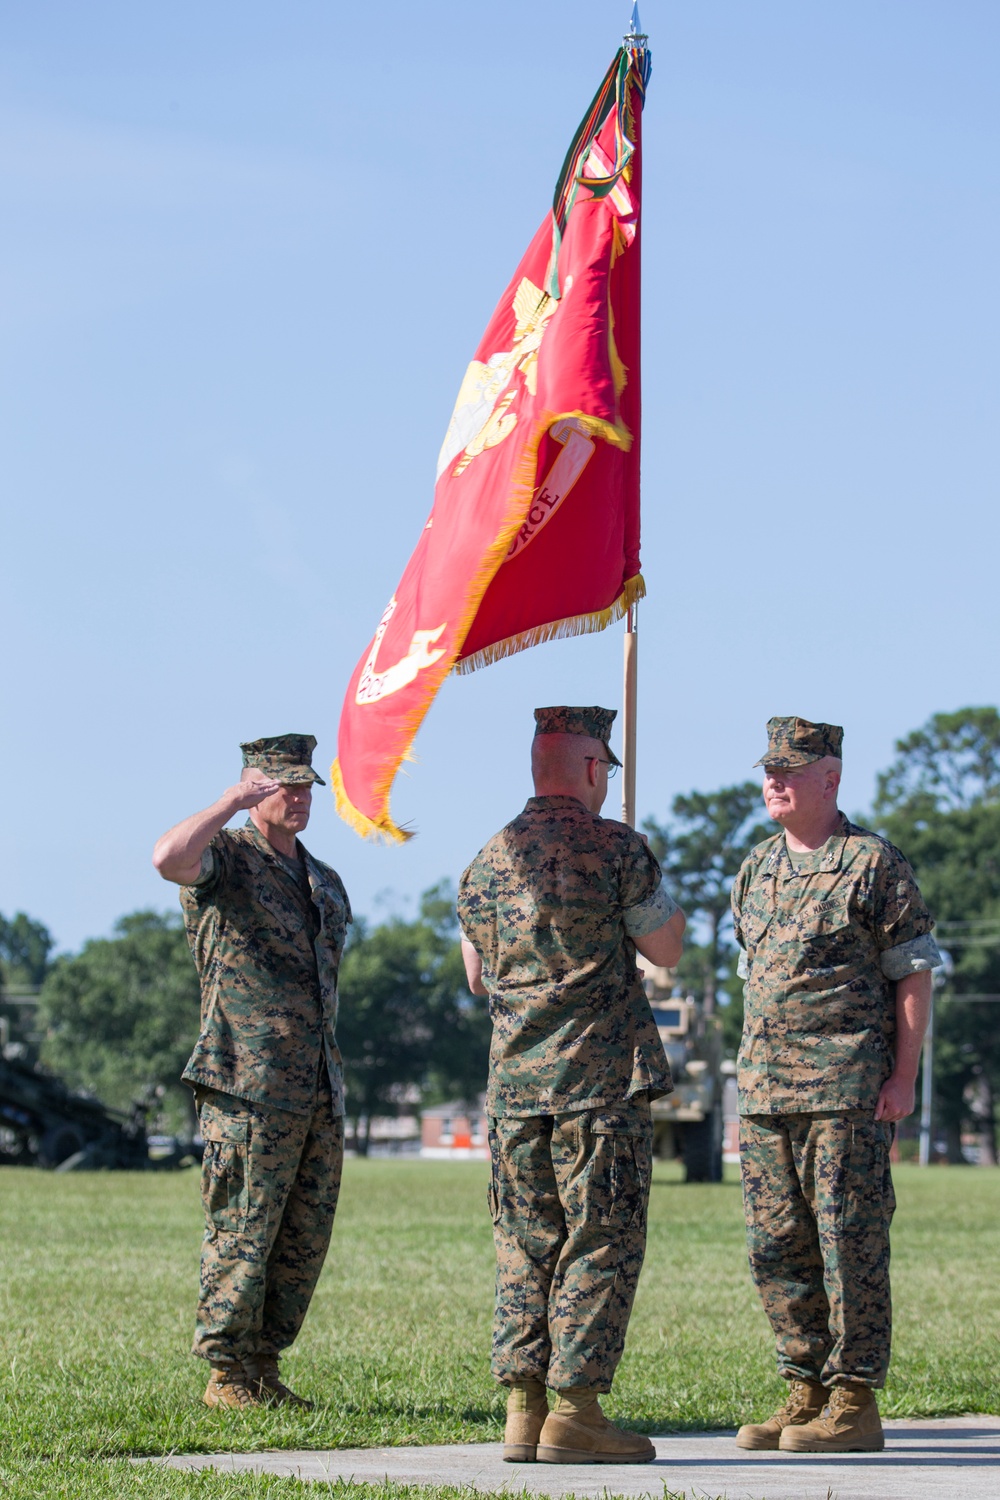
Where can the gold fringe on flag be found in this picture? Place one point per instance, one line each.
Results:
(555, 630)
(386, 833)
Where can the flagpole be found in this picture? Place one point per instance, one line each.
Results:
(631, 694)
(634, 38)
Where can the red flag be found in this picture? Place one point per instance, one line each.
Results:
(534, 532)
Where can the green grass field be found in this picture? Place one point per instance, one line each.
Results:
(99, 1275)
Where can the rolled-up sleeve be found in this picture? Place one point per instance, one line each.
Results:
(649, 915)
(918, 954)
(211, 872)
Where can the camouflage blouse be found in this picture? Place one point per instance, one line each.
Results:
(825, 940)
(267, 954)
(549, 905)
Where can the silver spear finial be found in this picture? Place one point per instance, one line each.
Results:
(635, 39)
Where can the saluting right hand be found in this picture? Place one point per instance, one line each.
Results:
(178, 854)
(252, 789)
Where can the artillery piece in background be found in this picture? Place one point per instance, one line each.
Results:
(688, 1123)
(45, 1124)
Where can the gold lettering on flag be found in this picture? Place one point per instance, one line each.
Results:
(565, 471)
(373, 685)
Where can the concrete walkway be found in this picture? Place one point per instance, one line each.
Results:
(950, 1459)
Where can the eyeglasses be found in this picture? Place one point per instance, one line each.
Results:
(612, 768)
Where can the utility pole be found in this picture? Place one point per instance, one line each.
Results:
(927, 1091)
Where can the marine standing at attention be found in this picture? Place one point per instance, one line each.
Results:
(266, 922)
(552, 912)
(837, 960)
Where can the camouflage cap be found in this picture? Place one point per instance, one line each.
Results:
(595, 723)
(797, 742)
(285, 757)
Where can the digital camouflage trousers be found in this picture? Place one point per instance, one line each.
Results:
(568, 1196)
(818, 1199)
(269, 1186)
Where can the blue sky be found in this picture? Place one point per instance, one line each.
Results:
(248, 252)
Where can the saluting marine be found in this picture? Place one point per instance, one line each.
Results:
(552, 911)
(267, 923)
(837, 954)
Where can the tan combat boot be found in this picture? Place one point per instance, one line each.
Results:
(806, 1399)
(230, 1385)
(576, 1431)
(849, 1423)
(527, 1408)
(262, 1372)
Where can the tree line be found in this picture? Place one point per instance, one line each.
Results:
(122, 1013)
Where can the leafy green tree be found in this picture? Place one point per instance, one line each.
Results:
(122, 1015)
(25, 946)
(940, 802)
(406, 1017)
(462, 1026)
(701, 848)
(25, 959)
(951, 764)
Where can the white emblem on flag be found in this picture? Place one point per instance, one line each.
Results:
(374, 685)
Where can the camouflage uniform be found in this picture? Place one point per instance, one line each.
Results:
(826, 935)
(267, 934)
(270, 1181)
(551, 904)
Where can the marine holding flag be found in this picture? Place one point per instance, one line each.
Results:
(534, 531)
(553, 910)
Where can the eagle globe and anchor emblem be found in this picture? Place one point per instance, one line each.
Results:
(481, 420)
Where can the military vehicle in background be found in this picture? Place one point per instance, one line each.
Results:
(688, 1123)
(43, 1123)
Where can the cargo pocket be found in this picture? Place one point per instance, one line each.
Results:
(869, 1199)
(621, 1164)
(225, 1184)
(493, 1191)
(888, 1191)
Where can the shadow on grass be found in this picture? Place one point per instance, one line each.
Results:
(405, 1411)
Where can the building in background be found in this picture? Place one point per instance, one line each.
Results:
(454, 1132)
